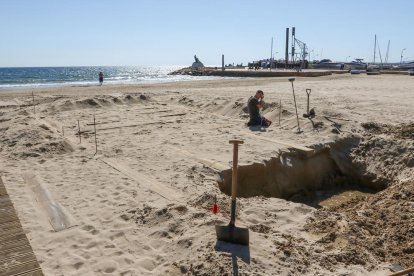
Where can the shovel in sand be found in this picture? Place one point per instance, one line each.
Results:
(294, 98)
(231, 233)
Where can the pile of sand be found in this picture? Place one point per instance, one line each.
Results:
(25, 136)
(377, 227)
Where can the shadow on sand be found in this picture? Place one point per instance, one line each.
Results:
(237, 251)
(258, 128)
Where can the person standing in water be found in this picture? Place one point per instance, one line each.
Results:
(100, 78)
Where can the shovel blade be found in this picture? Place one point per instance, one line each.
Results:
(232, 234)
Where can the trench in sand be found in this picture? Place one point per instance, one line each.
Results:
(326, 178)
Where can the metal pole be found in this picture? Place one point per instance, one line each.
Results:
(293, 46)
(287, 48)
(222, 62)
(294, 98)
(271, 55)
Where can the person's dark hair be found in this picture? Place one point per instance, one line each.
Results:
(259, 92)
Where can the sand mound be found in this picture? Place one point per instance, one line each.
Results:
(135, 98)
(86, 103)
(39, 139)
(64, 104)
(230, 108)
(382, 159)
(378, 226)
(402, 131)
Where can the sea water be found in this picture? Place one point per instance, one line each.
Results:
(16, 77)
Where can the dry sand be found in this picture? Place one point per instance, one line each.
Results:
(141, 205)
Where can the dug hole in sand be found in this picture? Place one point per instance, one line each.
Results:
(353, 182)
(291, 173)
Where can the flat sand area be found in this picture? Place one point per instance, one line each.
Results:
(334, 199)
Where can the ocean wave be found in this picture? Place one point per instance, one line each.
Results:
(35, 77)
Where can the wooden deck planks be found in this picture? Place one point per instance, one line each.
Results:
(16, 254)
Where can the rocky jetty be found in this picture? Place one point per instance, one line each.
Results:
(212, 71)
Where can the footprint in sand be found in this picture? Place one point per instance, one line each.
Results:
(78, 265)
(156, 244)
(91, 245)
(108, 267)
(90, 229)
(116, 236)
(147, 264)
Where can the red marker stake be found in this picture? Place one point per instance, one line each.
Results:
(215, 206)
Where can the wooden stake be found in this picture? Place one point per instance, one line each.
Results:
(33, 103)
(280, 110)
(403, 272)
(80, 139)
(96, 143)
(63, 131)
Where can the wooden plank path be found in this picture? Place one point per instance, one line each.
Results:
(16, 254)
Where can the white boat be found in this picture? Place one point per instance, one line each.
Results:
(357, 64)
(327, 64)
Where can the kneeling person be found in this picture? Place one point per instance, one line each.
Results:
(254, 104)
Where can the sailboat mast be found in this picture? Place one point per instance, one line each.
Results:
(388, 51)
(379, 51)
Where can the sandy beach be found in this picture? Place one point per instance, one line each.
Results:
(335, 199)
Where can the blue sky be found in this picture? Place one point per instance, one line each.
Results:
(167, 32)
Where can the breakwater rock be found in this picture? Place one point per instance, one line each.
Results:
(211, 71)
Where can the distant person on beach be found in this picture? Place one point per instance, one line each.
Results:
(254, 105)
(100, 78)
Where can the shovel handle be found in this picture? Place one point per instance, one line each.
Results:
(234, 179)
(308, 92)
(236, 141)
(234, 171)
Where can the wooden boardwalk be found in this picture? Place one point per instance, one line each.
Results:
(16, 254)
